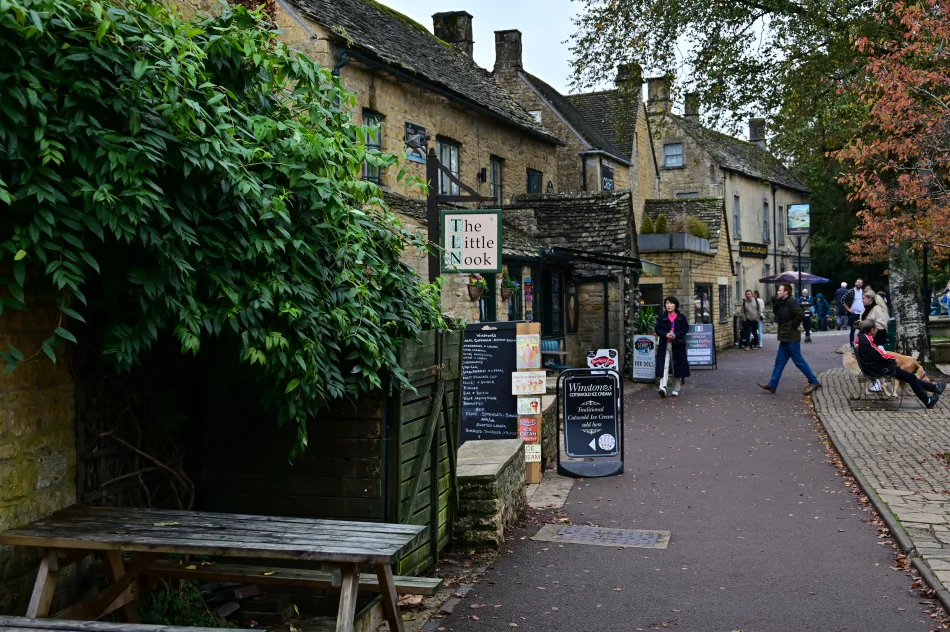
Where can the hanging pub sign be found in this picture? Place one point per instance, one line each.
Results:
(701, 345)
(644, 358)
(799, 219)
(471, 241)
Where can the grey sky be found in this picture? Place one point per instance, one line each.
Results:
(545, 26)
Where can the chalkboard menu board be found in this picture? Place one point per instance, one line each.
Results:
(489, 410)
(591, 420)
(701, 345)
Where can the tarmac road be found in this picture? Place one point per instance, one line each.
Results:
(765, 536)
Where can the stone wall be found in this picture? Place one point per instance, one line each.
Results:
(590, 325)
(491, 491)
(37, 445)
(647, 186)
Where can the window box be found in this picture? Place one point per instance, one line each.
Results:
(673, 241)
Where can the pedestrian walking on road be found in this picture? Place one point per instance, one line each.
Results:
(760, 340)
(876, 361)
(821, 312)
(842, 311)
(807, 311)
(788, 316)
(853, 301)
(671, 330)
(750, 320)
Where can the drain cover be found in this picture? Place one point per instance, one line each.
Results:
(600, 536)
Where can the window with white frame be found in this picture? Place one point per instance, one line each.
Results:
(673, 155)
(374, 140)
(448, 151)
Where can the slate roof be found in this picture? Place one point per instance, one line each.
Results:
(391, 38)
(710, 210)
(589, 127)
(611, 116)
(741, 156)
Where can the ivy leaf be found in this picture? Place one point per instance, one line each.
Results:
(20, 255)
(64, 334)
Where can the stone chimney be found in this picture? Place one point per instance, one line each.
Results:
(455, 27)
(658, 95)
(691, 107)
(629, 76)
(508, 50)
(757, 131)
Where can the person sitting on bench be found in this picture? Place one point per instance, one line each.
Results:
(875, 361)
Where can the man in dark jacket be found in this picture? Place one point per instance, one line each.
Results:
(879, 363)
(788, 316)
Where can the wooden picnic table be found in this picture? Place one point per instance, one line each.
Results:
(73, 533)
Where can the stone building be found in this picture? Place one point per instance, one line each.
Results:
(606, 135)
(696, 271)
(756, 188)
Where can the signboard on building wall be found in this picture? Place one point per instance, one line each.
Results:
(416, 142)
(606, 176)
(799, 219)
(756, 251)
(471, 241)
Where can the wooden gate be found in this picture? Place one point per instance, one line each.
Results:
(423, 444)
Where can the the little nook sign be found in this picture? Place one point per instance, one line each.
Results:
(471, 241)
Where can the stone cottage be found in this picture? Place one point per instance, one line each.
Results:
(756, 188)
(697, 271)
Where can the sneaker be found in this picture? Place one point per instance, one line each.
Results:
(940, 387)
(932, 401)
(675, 393)
(876, 388)
(767, 387)
(662, 392)
(811, 388)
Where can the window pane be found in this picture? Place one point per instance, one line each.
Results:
(673, 155)
(735, 215)
(374, 139)
(497, 179)
(534, 181)
(702, 303)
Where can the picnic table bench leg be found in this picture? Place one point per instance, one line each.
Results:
(387, 588)
(45, 585)
(115, 569)
(349, 586)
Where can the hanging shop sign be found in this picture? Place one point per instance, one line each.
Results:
(799, 219)
(471, 241)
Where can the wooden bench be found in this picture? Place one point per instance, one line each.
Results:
(76, 532)
(554, 350)
(302, 577)
(24, 624)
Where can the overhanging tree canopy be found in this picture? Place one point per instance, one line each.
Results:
(207, 178)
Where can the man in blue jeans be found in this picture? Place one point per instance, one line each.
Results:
(789, 316)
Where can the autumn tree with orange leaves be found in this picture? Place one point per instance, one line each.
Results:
(899, 168)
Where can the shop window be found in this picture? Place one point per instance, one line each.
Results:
(516, 302)
(673, 155)
(449, 157)
(702, 303)
(374, 140)
(534, 181)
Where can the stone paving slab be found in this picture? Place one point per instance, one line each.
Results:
(551, 492)
(898, 453)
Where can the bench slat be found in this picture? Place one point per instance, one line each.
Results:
(10, 624)
(265, 575)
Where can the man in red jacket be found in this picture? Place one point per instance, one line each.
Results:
(876, 362)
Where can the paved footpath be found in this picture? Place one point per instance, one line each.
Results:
(903, 456)
(766, 537)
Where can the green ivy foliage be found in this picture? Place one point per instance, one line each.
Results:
(205, 178)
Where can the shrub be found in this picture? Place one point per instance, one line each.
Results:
(647, 227)
(661, 227)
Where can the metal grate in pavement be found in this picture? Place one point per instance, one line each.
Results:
(600, 536)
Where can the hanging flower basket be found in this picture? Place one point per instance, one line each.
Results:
(475, 292)
(505, 293)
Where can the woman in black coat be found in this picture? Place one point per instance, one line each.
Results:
(671, 328)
